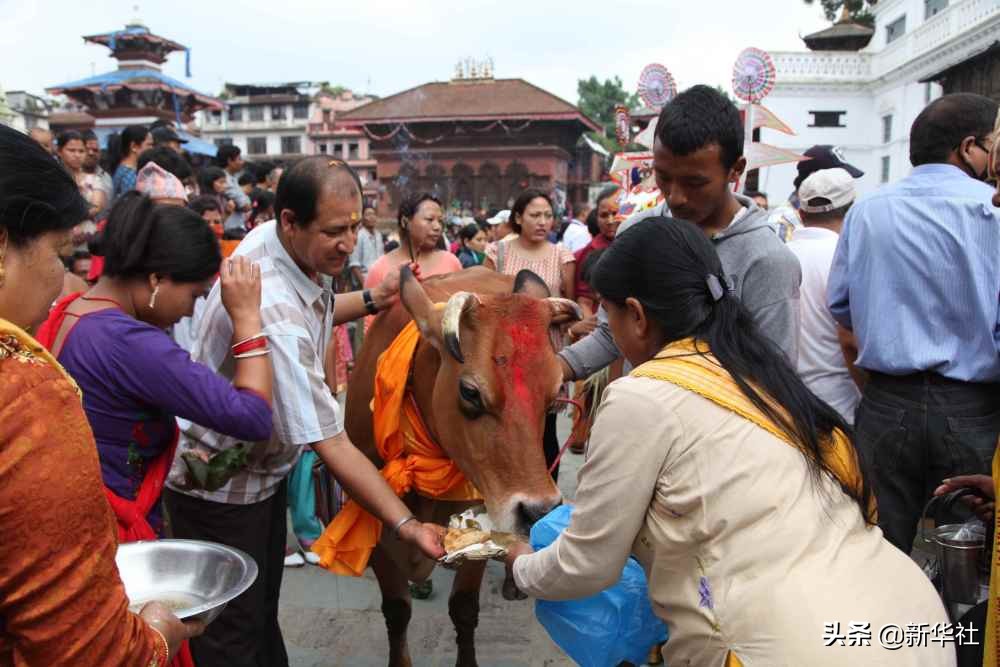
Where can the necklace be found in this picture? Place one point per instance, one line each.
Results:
(101, 298)
(128, 311)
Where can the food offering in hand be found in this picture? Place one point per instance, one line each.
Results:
(471, 537)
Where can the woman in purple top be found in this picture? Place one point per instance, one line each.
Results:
(135, 379)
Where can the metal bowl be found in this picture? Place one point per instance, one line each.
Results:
(195, 579)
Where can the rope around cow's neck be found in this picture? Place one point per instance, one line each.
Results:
(576, 422)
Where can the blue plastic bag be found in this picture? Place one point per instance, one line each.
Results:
(603, 630)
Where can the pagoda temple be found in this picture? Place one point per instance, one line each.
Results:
(477, 142)
(138, 92)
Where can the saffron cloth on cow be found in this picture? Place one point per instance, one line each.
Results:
(413, 461)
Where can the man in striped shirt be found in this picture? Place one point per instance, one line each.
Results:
(317, 206)
(916, 276)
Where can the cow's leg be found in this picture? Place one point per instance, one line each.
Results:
(396, 606)
(463, 607)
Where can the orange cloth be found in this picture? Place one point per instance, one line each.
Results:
(63, 602)
(228, 246)
(413, 461)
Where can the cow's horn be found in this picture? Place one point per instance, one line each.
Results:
(452, 320)
(564, 310)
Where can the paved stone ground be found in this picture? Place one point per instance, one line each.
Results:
(335, 621)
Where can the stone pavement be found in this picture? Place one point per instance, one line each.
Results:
(332, 621)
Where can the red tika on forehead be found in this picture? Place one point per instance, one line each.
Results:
(528, 342)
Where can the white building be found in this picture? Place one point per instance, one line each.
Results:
(266, 121)
(864, 101)
(28, 111)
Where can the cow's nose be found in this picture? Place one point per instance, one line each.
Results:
(530, 511)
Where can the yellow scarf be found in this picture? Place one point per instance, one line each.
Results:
(413, 461)
(691, 365)
(991, 653)
(17, 343)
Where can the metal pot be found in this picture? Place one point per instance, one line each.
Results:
(960, 550)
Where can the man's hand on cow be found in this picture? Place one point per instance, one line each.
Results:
(583, 328)
(386, 293)
(427, 537)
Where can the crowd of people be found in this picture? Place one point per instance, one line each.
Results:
(770, 400)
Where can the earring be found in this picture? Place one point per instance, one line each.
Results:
(3, 254)
(152, 299)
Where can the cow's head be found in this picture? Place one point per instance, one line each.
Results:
(498, 377)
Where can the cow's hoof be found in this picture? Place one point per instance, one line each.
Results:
(422, 590)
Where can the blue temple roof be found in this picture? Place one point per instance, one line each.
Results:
(134, 78)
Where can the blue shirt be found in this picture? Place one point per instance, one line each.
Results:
(916, 275)
(124, 180)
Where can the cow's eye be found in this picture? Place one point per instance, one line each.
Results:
(471, 398)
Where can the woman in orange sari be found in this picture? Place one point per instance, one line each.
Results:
(63, 602)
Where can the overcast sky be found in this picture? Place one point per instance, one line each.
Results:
(384, 47)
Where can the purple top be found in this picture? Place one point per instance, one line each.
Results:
(135, 381)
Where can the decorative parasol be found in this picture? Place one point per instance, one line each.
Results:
(753, 75)
(623, 124)
(656, 85)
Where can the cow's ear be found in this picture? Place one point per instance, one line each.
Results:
(425, 313)
(530, 283)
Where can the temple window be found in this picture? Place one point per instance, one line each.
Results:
(827, 118)
(257, 145)
(895, 30)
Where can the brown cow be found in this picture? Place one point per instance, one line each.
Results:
(484, 374)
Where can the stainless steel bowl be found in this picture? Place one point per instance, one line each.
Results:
(195, 579)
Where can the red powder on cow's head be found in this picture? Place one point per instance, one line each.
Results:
(528, 341)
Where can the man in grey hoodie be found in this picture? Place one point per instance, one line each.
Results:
(697, 158)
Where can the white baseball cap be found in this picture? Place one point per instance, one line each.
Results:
(500, 218)
(834, 185)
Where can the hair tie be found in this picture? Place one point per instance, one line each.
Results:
(715, 286)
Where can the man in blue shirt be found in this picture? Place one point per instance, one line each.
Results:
(916, 276)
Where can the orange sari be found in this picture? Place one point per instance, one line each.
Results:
(63, 602)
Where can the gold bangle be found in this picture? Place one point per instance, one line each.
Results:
(156, 662)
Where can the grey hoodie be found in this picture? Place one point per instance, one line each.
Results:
(762, 272)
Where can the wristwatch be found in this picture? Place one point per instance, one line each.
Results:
(369, 302)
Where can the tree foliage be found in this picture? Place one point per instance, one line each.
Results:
(858, 11)
(598, 100)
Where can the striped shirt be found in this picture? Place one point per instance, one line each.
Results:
(916, 276)
(297, 315)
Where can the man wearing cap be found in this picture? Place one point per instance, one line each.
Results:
(916, 276)
(824, 199)
(167, 136)
(500, 224)
(821, 158)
